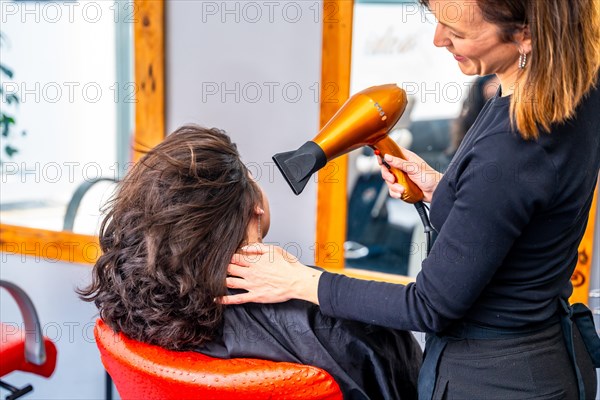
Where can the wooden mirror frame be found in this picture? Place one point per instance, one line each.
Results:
(331, 215)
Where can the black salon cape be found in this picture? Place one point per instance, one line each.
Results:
(367, 361)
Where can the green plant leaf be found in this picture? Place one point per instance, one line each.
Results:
(10, 151)
(6, 71)
(6, 121)
(12, 98)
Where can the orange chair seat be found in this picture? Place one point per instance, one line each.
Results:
(12, 353)
(143, 371)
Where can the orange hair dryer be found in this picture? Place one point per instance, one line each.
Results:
(365, 119)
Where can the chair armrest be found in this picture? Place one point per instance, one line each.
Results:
(35, 351)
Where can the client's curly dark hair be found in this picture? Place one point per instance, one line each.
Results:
(177, 218)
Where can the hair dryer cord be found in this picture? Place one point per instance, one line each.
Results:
(421, 209)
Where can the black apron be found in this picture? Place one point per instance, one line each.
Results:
(577, 314)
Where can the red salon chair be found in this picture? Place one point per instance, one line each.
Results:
(25, 350)
(142, 371)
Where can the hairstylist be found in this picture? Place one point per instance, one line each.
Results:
(510, 211)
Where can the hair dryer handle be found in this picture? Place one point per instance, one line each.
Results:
(412, 193)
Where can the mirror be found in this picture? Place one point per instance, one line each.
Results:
(67, 110)
(392, 43)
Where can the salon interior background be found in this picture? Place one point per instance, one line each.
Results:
(251, 68)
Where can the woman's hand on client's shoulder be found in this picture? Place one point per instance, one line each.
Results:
(269, 274)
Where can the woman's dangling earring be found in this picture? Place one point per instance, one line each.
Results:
(259, 229)
(523, 61)
(259, 212)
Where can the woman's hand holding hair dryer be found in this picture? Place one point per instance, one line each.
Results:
(417, 170)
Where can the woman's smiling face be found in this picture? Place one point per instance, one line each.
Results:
(475, 43)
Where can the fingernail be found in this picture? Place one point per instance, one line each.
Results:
(388, 157)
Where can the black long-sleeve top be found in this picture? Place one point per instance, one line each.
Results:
(510, 215)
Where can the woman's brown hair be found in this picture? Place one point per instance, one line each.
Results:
(177, 218)
(564, 61)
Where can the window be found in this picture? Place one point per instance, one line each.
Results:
(71, 71)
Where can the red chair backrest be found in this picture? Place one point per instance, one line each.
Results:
(143, 371)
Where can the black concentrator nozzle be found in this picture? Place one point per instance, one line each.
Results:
(298, 166)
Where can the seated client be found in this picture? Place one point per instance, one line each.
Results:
(177, 219)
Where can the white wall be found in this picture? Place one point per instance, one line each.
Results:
(252, 69)
(66, 320)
